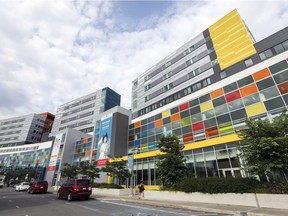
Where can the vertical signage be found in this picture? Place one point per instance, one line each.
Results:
(103, 151)
(54, 154)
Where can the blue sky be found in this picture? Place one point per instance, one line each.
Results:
(56, 51)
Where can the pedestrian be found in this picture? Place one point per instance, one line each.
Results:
(141, 189)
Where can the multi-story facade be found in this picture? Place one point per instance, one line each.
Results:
(79, 114)
(203, 92)
(21, 130)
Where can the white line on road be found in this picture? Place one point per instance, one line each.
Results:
(68, 203)
(10, 200)
(17, 207)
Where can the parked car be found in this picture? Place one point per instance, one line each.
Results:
(38, 187)
(22, 186)
(75, 188)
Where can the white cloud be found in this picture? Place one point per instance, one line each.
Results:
(55, 51)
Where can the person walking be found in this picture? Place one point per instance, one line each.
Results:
(141, 189)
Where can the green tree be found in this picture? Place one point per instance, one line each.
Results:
(90, 170)
(117, 168)
(265, 145)
(70, 171)
(171, 167)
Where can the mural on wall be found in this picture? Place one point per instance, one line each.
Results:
(103, 152)
(54, 154)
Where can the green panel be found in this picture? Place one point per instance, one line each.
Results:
(226, 128)
(144, 147)
(185, 121)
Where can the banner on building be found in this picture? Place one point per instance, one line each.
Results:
(54, 153)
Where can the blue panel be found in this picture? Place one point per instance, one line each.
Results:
(137, 143)
(143, 134)
(88, 144)
(151, 125)
(151, 146)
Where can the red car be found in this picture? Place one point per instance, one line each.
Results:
(75, 188)
(38, 187)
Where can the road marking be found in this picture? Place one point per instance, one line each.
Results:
(142, 207)
(68, 203)
(17, 207)
(92, 209)
(10, 200)
(3, 197)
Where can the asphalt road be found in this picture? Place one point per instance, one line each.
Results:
(14, 203)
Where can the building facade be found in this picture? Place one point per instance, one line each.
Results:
(22, 130)
(79, 113)
(203, 92)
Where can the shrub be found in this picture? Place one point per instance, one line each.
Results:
(106, 185)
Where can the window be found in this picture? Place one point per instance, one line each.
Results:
(274, 103)
(214, 62)
(245, 81)
(272, 92)
(223, 74)
(279, 48)
(266, 54)
(230, 87)
(248, 62)
(252, 99)
(195, 58)
(285, 45)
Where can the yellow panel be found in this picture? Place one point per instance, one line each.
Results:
(231, 40)
(255, 109)
(206, 106)
(166, 113)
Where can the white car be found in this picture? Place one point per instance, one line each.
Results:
(22, 186)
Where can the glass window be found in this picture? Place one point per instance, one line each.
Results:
(239, 114)
(262, 56)
(194, 102)
(151, 139)
(204, 98)
(285, 45)
(184, 114)
(175, 124)
(166, 120)
(195, 110)
(158, 130)
(223, 74)
(186, 129)
(158, 116)
(266, 54)
(279, 48)
(151, 132)
(231, 87)
(151, 119)
(266, 83)
(174, 110)
(245, 81)
(167, 127)
(219, 101)
(237, 104)
(208, 114)
(274, 103)
(285, 97)
(210, 122)
(177, 132)
(252, 99)
(281, 77)
(219, 110)
(196, 117)
(223, 119)
(278, 67)
(266, 94)
(248, 62)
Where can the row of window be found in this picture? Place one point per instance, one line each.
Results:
(77, 117)
(80, 102)
(11, 127)
(12, 122)
(78, 110)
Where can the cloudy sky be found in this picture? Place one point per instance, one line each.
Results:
(55, 51)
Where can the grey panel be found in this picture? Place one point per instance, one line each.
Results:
(203, 54)
(180, 80)
(156, 82)
(178, 69)
(206, 33)
(205, 67)
(177, 58)
(157, 92)
(200, 43)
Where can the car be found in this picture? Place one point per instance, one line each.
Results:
(22, 186)
(38, 187)
(75, 188)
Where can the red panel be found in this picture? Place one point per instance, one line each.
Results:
(198, 126)
(184, 106)
(283, 88)
(232, 96)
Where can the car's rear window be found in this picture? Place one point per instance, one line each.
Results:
(83, 182)
(42, 183)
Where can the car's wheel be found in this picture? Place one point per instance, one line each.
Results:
(87, 198)
(69, 198)
(58, 195)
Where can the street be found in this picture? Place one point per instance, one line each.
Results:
(14, 203)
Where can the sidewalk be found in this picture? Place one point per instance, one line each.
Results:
(227, 209)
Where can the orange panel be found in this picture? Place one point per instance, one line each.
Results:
(158, 123)
(261, 74)
(283, 88)
(188, 137)
(175, 117)
(248, 90)
(211, 132)
(85, 140)
(216, 93)
(137, 124)
(87, 153)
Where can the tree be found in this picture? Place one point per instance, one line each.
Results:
(70, 171)
(265, 145)
(171, 166)
(90, 170)
(117, 168)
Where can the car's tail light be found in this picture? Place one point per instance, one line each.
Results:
(89, 188)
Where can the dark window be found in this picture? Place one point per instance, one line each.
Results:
(195, 110)
(177, 132)
(265, 84)
(184, 114)
(245, 81)
(174, 110)
(151, 119)
(151, 139)
(143, 127)
(186, 129)
(219, 101)
(274, 103)
(279, 48)
(131, 126)
(144, 121)
(223, 74)
(248, 62)
(158, 116)
(238, 114)
(210, 122)
(223, 119)
(166, 120)
(204, 98)
(230, 87)
(83, 182)
(285, 97)
(282, 77)
(252, 99)
(194, 102)
(196, 117)
(278, 67)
